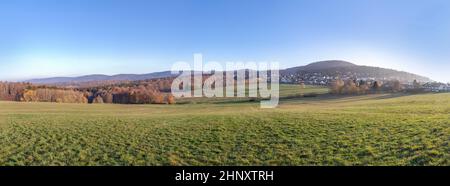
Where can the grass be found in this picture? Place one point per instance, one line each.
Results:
(287, 91)
(385, 129)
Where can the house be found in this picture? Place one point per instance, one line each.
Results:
(447, 87)
(436, 87)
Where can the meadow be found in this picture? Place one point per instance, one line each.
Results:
(380, 129)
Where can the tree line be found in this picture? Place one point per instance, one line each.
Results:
(352, 86)
(138, 92)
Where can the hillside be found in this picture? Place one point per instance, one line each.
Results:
(321, 65)
(315, 73)
(100, 77)
(324, 72)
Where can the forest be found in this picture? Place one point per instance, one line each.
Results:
(156, 91)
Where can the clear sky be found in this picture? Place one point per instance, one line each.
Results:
(43, 38)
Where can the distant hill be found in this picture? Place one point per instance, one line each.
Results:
(321, 65)
(321, 72)
(100, 77)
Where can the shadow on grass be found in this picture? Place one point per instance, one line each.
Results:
(354, 97)
(307, 97)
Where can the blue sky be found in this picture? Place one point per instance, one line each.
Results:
(43, 38)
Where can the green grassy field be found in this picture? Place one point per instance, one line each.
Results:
(384, 129)
(287, 91)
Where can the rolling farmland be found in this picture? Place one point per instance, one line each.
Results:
(381, 129)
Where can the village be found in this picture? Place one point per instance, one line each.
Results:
(323, 79)
(436, 87)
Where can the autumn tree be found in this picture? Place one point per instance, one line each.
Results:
(416, 85)
(350, 87)
(396, 86)
(375, 86)
(170, 99)
(98, 99)
(337, 86)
